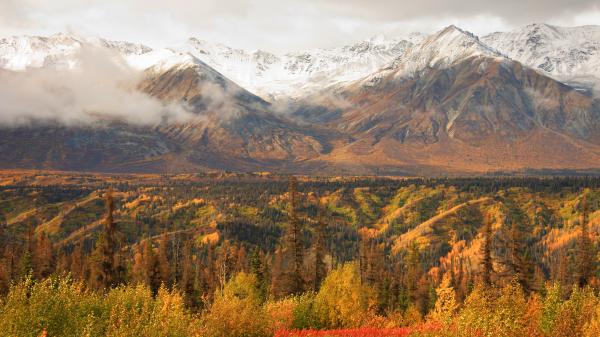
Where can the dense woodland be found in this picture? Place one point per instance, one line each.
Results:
(252, 255)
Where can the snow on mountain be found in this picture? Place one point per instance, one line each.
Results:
(21, 52)
(440, 50)
(298, 73)
(18, 53)
(266, 74)
(566, 53)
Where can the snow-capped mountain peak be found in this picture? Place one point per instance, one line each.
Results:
(440, 50)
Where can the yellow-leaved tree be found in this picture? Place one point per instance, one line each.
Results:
(237, 310)
(445, 305)
(343, 300)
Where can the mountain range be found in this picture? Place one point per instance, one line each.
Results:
(446, 103)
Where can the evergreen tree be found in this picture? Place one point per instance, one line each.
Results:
(487, 266)
(585, 250)
(151, 267)
(293, 245)
(163, 260)
(186, 283)
(257, 268)
(25, 264)
(414, 271)
(104, 273)
(26, 261)
(320, 250)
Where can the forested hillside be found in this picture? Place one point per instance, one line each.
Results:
(261, 255)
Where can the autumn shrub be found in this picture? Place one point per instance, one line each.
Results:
(591, 328)
(568, 317)
(58, 305)
(281, 313)
(510, 309)
(62, 307)
(476, 317)
(306, 314)
(551, 307)
(533, 316)
(236, 310)
(134, 311)
(411, 316)
(489, 311)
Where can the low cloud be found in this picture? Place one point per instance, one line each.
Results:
(100, 87)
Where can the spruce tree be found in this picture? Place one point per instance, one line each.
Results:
(487, 266)
(26, 261)
(104, 273)
(585, 250)
(293, 246)
(151, 267)
(186, 283)
(163, 260)
(320, 250)
(257, 268)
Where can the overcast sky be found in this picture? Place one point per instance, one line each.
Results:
(280, 25)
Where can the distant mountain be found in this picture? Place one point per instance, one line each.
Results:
(570, 54)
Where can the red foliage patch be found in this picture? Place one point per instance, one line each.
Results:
(358, 332)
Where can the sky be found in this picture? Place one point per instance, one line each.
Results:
(280, 25)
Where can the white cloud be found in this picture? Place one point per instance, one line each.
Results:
(279, 24)
(101, 87)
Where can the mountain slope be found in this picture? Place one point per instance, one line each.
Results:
(101, 147)
(452, 103)
(232, 127)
